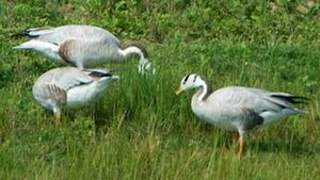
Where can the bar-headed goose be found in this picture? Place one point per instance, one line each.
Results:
(70, 87)
(81, 46)
(236, 108)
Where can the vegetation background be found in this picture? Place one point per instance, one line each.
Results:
(140, 129)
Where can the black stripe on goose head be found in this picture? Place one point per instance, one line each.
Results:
(186, 78)
(195, 78)
(100, 74)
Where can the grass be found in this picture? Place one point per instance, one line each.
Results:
(140, 129)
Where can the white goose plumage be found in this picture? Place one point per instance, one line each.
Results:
(237, 108)
(70, 87)
(81, 46)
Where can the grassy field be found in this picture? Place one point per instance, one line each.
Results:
(140, 129)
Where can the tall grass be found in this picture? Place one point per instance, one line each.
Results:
(140, 129)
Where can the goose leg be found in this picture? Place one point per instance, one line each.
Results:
(57, 116)
(236, 136)
(241, 146)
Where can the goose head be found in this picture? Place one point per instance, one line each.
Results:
(137, 49)
(144, 64)
(190, 81)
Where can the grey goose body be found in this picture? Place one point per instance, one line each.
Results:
(81, 46)
(70, 87)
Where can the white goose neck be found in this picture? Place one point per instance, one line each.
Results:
(132, 50)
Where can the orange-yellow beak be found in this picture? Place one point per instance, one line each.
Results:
(179, 91)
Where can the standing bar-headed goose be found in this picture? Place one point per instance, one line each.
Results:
(81, 46)
(236, 108)
(70, 87)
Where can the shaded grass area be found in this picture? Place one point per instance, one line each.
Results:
(140, 129)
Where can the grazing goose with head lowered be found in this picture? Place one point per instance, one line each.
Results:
(81, 46)
(237, 108)
(70, 87)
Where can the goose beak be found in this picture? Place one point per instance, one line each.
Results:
(179, 91)
(115, 78)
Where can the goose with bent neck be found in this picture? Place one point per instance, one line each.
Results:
(236, 108)
(81, 46)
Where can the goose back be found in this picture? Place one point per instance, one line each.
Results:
(60, 34)
(229, 106)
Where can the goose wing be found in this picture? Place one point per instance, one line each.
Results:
(70, 77)
(257, 100)
(75, 51)
(65, 78)
(55, 83)
(250, 106)
(53, 92)
(60, 34)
